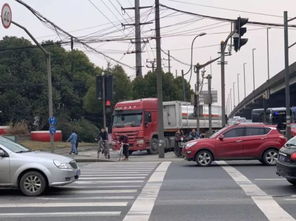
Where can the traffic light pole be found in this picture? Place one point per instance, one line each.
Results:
(104, 100)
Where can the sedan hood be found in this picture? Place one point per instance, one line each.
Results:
(45, 155)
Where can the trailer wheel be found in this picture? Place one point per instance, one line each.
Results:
(153, 146)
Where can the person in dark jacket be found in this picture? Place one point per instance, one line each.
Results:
(124, 142)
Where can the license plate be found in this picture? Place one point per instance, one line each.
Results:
(281, 158)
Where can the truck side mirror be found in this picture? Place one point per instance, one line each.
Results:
(147, 118)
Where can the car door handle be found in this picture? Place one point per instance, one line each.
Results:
(238, 141)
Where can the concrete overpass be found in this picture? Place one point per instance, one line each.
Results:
(276, 88)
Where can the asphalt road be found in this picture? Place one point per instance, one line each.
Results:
(160, 191)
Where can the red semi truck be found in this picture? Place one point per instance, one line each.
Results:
(137, 119)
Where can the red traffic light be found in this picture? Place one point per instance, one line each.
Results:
(108, 103)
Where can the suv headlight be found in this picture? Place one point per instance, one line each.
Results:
(188, 145)
(61, 165)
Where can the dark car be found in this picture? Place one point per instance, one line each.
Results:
(239, 141)
(286, 163)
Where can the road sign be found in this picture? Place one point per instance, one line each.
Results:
(52, 130)
(52, 121)
(6, 15)
(204, 97)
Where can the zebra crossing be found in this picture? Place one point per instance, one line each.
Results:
(104, 190)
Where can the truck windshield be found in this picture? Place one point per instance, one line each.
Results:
(122, 119)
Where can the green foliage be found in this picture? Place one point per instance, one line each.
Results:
(86, 130)
(24, 92)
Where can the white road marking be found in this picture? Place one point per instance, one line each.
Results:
(52, 205)
(270, 208)
(90, 198)
(115, 175)
(111, 178)
(269, 179)
(112, 181)
(98, 186)
(143, 205)
(106, 191)
(62, 214)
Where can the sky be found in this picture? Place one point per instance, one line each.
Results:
(101, 20)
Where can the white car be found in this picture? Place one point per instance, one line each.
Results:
(34, 171)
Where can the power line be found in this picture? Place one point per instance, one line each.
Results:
(181, 62)
(226, 9)
(224, 19)
(50, 23)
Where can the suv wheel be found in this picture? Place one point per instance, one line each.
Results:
(270, 156)
(204, 158)
(32, 183)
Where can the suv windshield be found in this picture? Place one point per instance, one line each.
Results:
(123, 119)
(12, 146)
(291, 142)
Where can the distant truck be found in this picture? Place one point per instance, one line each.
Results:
(138, 120)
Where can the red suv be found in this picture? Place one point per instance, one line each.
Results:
(239, 141)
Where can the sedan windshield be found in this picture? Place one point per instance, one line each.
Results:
(12, 146)
(127, 119)
(218, 132)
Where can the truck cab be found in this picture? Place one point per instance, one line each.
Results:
(137, 120)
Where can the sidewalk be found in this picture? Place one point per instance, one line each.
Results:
(89, 154)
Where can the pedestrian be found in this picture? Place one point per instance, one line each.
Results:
(73, 140)
(178, 139)
(77, 142)
(124, 142)
(102, 139)
(193, 135)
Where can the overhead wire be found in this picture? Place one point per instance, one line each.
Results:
(51, 24)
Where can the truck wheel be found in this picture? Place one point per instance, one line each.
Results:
(32, 183)
(269, 157)
(153, 146)
(204, 158)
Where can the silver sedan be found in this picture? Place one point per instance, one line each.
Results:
(34, 171)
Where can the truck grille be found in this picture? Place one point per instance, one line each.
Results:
(73, 164)
(131, 136)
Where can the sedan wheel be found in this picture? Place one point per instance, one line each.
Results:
(270, 157)
(204, 158)
(32, 183)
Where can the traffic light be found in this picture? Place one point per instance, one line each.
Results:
(107, 80)
(238, 41)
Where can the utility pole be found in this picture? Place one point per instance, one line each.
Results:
(138, 40)
(253, 61)
(244, 67)
(238, 88)
(287, 75)
(233, 89)
(161, 140)
(197, 97)
(169, 61)
(209, 77)
(183, 85)
(104, 100)
(222, 47)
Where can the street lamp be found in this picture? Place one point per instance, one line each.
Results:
(253, 50)
(244, 67)
(199, 35)
(197, 82)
